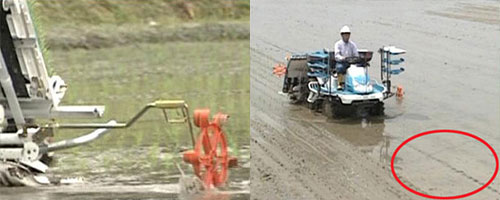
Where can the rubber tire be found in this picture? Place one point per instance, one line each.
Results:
(294, 99)
(327, 108)
(377, 109)
(340, 110)
(319, 105)
(315, 106)
(299, 97)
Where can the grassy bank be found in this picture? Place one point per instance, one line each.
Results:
(97, 12)
(89, 37)
(92, 24)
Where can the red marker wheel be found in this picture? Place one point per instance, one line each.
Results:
(210, 157)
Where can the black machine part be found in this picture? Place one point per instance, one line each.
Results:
(296, 73)
(10, 57)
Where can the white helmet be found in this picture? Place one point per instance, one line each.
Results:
(345, 29)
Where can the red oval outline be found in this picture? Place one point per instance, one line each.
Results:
(444, 131)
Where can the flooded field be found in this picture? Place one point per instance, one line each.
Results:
(450, 82)
(140, 162)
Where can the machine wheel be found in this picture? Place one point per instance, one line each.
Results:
(327, 108)
(299, 95)
(316, 106)
(339, 110)
(210, 159)
(294, 99)
(377, 109)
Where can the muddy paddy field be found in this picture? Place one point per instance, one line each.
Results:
(450, 82)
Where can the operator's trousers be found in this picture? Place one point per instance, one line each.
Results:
(340, 67)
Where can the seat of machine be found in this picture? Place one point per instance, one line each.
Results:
(365, 54)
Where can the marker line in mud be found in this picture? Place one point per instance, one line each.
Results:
(273, 149)
(323, 154)
(324, 145)
(393, 189)
(267, 42)
(455, 170)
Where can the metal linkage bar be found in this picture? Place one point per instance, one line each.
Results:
(161, 104)
(10, 93)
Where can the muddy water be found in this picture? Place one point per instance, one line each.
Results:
(140, 162)
(450, 82)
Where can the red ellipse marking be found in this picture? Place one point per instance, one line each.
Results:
(444, 131)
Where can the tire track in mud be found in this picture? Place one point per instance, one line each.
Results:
(292, 174)
(455, 170)
(317, 152)
(387, 182)
(315, 132)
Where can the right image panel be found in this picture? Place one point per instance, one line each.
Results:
(374, 100)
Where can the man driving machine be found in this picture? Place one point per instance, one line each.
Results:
(344, 48)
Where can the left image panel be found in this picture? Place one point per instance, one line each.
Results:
(124, 99)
